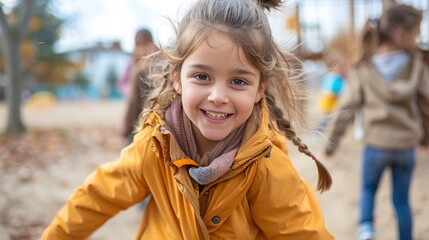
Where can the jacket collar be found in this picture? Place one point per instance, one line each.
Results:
(260, 139)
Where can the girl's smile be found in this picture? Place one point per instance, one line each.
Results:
(219, 88)
(215, 116)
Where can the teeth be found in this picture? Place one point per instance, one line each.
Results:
(216, 115)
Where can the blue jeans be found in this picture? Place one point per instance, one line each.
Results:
(401, 164)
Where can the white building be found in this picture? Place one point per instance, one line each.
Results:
(100, 61)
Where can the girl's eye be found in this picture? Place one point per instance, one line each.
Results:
(201, 76)
(239, 82)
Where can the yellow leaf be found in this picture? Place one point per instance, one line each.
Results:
(35, 24)
(27, 49)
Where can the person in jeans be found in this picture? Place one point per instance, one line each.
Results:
(390, 85)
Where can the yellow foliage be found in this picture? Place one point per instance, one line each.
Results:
(35, 24)
(54, 73)
(40, 68)
(27, 49)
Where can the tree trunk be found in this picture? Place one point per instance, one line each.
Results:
(11, 47)
(13, 89)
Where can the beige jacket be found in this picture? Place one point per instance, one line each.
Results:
(395, 116)
(261, 197)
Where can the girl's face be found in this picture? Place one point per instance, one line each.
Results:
(219, 88)
(407, 38)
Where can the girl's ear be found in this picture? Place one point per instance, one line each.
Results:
(261, 90)
(176, 80)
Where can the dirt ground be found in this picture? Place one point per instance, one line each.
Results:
(38, 171)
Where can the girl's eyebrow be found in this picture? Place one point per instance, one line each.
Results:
(201, 66)
(235, 71)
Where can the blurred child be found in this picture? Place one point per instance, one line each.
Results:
(212, 145)
(334, 81)
(390, 84)
(132, 82)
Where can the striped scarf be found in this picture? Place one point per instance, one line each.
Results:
(214, 163)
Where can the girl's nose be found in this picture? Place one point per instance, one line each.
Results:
(218, 95)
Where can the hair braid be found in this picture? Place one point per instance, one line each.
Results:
(324, 178)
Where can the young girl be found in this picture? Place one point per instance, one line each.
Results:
(390, 84)
(207, 152)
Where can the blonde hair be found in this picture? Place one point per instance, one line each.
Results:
(247, 24)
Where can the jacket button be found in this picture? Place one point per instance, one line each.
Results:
(216, 219)
(162, 130)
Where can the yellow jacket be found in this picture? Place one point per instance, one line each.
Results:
(261, 197)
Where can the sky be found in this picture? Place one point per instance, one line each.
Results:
(101, 20)
(92, 21)
(109, 20)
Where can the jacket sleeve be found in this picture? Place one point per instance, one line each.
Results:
(283, 205)
(111, 188)
(423, 103)
(350, 100)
